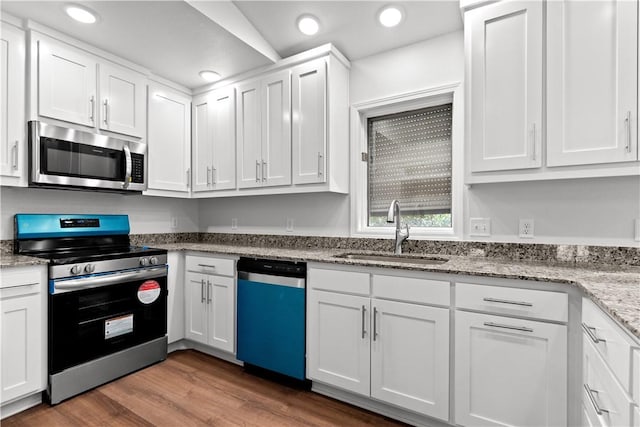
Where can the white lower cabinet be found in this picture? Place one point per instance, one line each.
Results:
(22, 332)
(210, 305)
(395, 352)
(509, 371)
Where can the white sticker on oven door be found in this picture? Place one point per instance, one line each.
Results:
(118, 326)
(149, 291)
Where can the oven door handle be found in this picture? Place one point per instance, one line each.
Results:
(128, 166)
(107, 279)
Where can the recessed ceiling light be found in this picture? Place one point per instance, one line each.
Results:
(390, 16)
(210, 76)
(81, 13)
(308, 24)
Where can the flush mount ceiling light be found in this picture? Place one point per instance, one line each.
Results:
(209, 76)
(81, 13)
(308, 24)
(390, 16)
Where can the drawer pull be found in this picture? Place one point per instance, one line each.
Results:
(364, 310)
(504, 301)
(591, 331)
(515, 328)
(592, 398)
(206, 265)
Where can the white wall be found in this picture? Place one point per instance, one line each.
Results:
(146, 214)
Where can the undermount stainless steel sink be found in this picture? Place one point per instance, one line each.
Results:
(402, 259)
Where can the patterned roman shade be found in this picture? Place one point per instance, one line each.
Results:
(409, 159)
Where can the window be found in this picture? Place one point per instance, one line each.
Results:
(409, 148)
(409, 159)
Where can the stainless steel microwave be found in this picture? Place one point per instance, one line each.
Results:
(69, 158)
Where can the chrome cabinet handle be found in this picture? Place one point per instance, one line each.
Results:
(208, 171)
(14, 152)
(257, 171)
(264, 174)
(208, 292)
(627, 122)
(515, 328)
(375, 327)
(206, 265)
(106, 111)
(591, 332)
(202, 299)
(214, 172)
(319, 164)
(592, 398)
(533, 148)
(188, 177)
(364, 311)
(504, 301)
(92, 108)
(128, 166)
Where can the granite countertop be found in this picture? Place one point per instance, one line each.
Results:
(615, 289)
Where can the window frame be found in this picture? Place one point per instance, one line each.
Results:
(360, 112)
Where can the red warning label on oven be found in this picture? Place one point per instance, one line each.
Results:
(149, 291)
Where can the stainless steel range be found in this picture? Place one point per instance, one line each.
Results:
(107, 307)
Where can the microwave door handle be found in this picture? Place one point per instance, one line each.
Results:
(127, 171)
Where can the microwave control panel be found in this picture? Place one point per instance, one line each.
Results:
(137, 168)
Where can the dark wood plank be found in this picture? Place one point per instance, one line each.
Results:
(194, 389)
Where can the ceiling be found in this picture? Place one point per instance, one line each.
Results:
(175, 41)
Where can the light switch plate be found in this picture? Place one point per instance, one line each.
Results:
(480, 227)
(289, 225)
(234, 223)
(526, 228)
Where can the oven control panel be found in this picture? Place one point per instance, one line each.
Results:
(112, 265)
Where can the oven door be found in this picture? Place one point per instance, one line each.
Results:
(68, 157)
(94, 316)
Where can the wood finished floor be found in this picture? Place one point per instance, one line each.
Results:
(191, 388)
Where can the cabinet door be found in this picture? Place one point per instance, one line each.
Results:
(509, 371)
(169, 140)
(504, 41)
(249, 139)
(202, 143)
(338, 350)
(276, 129)
(592, 82)
(175, 296)
(410, 357)
(20, 344)
(122, 100)
(12, 122)
(220, 296)
(66, 84)
(196, 307)
(309, 125)
(223, 123)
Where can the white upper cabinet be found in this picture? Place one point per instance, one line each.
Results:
(264, 131)
(592, 72)
(169, 140)
(68, 82)
(504, 42)
(13, 148)
(309, 94)
(122, 96)
(214, 141)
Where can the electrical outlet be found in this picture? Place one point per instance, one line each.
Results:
(174, 222)
(526, 228)
(234, 223)
(289, 224)
(637, 230)
(480, 227)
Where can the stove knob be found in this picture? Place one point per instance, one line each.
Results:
(89, 268)
(75, 269)
(144, 262)
(153, 260)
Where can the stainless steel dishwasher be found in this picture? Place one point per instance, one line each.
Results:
(271, 315)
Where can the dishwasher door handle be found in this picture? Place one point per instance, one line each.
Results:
(292, 282)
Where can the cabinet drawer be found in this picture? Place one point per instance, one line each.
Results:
(635, 387)
(349, 282)
(513, 302)
(208, 265)
(609, 340)
(601, 391)
(411, 289)
(21, 276)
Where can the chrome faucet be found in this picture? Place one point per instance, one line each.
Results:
(394, 214)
